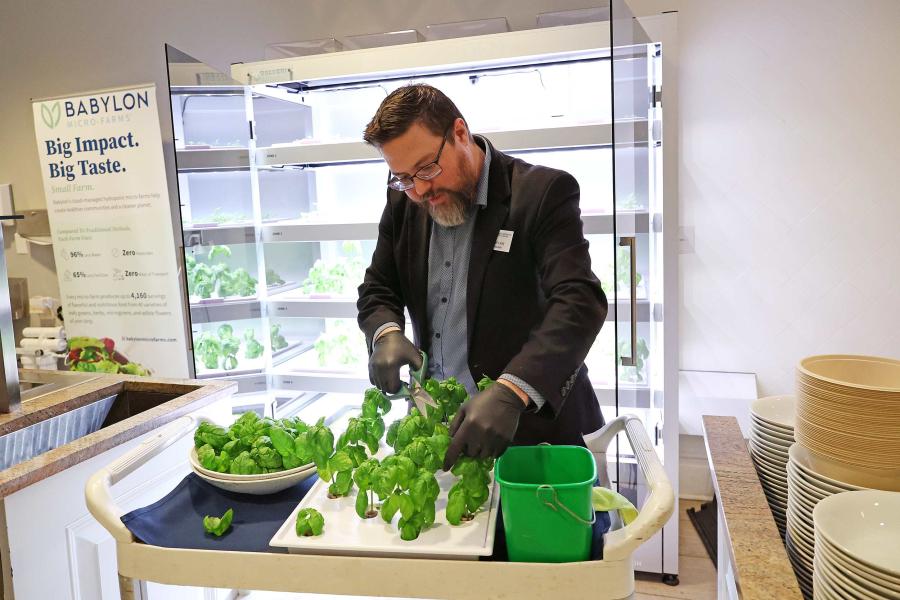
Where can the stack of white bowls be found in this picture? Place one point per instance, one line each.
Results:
(848, 417)
(858, 546)
(771, 435)
(806, 487)
(848, 439)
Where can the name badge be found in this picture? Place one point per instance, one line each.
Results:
(504, 241)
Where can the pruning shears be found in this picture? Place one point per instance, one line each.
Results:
(415, 390)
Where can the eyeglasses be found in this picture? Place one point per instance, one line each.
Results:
(426, 173)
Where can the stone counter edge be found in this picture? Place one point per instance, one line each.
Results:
(761, 565)
(197, 394)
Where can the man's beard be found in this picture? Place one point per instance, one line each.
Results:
(454, 210)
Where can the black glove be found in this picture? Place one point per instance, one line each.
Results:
(392, 351)
(485, 425)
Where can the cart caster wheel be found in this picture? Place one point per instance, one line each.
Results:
(670, 579)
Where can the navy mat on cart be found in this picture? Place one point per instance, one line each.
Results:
(176, 521)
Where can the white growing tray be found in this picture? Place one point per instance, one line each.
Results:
(346, 534)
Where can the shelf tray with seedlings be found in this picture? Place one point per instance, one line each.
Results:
(370, 491)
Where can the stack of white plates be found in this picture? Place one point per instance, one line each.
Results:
(771, 434)
(858, 545)
(848, 417)
(261, 484)
(806, 487)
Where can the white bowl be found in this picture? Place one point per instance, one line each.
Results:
(802, 543)
(774, 486)
(766, 459)
(757, 423)
(811, 482)
(804, 574)
(764, 464)
(823, 589)
(853, 372)
(802, 500)
(802, 560)
(777, 476)
(777, 499)
(801, 524)
(777, 485)
(834, 577)
(259, 487)
(857, 571)
(776, 453)
(854, 475)
(808, 465)
(808, 488)
(777, 450)
(865, 526)
(200, 469)
(779, 439)
(778, 410)
(786, 441)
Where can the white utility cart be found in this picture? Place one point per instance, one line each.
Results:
(609, 578)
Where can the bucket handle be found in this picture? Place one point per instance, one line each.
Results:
(556, 503)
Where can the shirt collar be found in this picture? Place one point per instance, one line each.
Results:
(482, 189)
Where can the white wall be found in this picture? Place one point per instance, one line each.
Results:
(789, 159)
(790, 177)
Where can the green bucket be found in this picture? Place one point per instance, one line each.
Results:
(545, 492)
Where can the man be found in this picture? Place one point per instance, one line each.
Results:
(488, 255)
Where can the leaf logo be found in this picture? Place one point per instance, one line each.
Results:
(51, 114)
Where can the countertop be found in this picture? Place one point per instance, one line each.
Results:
(761, 565)
(190, 395)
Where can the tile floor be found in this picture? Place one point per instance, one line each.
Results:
(697, 573)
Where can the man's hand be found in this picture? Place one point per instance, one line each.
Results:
(485, 425)
(392, 350)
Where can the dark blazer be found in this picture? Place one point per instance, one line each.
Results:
(532, 312)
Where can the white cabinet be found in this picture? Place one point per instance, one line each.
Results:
(57, 550)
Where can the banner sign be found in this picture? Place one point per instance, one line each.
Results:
(108, 204)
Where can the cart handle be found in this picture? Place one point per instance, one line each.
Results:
(621, 543)
(97, 493)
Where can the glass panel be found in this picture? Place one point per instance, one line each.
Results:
(325, 346)
(350, 193)
(630, 92)
(229, 348)
(207, 105)
(527, 97)
(215, 198)
(220, 213)
(631, 174)
(286, 193)
(591, 167)
(322, 354)
(221, 273)
(320, 270)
